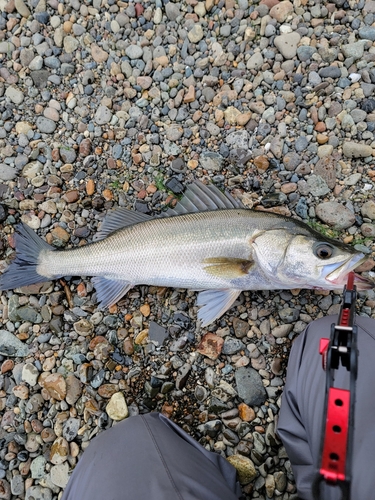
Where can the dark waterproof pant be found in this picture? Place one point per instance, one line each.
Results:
(301, 415)
(148, 457)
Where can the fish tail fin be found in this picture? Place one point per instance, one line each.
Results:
(22, 271)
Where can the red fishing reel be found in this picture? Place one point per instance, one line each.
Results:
(338, 419)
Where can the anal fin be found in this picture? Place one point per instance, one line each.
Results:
(227, 267)
(214, 303)
(110, 290)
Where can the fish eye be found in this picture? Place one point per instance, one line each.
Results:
(323, 251)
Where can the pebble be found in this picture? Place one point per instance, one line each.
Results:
(249, 386)
(117, 408)
(335, 214)
(244, 467)
(59, 451)
(30, 374)
(287, 44)
(15, 95)
(11, 345)
(38, 493)
(60, 474)
(55, 385)
(356, 150)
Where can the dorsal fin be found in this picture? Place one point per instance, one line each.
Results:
(197, 198)
(118, 219)
(200, 198)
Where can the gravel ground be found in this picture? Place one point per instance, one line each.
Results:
(107, 103)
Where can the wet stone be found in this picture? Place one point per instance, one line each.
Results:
(244, 467)
(60, 474)
(157, 333)
(182, 376)
(117, 408)
(70, 428)
(11, 345)
(231, 346)
(249, 386)
(335, 214)
(45, 125)
(59, 451)
(38, 467)
(211, 345)
(241, 328)
(38, 493)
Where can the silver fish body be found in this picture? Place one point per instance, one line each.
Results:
(221, 251)
(170, 252)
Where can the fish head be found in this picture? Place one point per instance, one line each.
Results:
(299, 257)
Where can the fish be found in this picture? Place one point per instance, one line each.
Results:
(210, 243)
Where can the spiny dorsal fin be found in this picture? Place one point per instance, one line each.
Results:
(118, 219)
(197, 198)
(200, 198)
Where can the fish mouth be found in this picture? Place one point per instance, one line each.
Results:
(339, 275)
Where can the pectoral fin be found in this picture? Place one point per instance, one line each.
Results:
(109, 291)
(214, 303)
(226, 267)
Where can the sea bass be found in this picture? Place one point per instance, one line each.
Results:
(209, 242)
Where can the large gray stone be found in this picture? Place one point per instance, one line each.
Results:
(335, 214)
(45, 125)
(354, 50)
(10, 345)
(38, 493)
(15, 95)
(250, 386)
(356, 150)
(7, 173)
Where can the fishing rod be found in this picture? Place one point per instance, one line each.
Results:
(338, 417)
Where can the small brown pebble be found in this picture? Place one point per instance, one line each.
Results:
(48, 435)
(74, 449)
(139, 9)
(145, 310)
(107, 195)
(245, 412)
(90, 187)
(71, 196)
(21, 391)
(55, 385)
(59, 234)
(81, 290)
(142, 337)
(7, 366)
(289, 187)
(190, 94)
(67, 26)
(261, 162)
(167, 410)
(366, 266)
(320, 127)
(113, 309)
(107, 390)
(55, 154)
(211, 346)
(85, 147)
(37, 426)
(244, 118)
(322, 139)
(128, 346)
